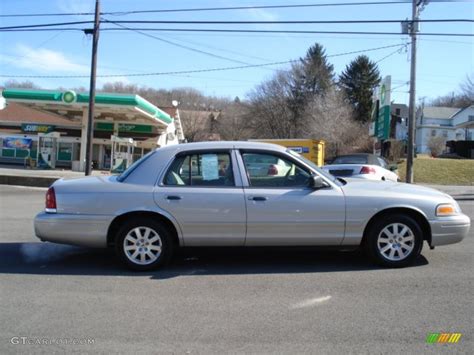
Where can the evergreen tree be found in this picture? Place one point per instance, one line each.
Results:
(312, 76)
(358, 80)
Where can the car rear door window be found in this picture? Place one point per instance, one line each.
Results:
(203, 169)
(269, 170)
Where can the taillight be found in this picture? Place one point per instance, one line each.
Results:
(50, 201)
(367, 170)
(272, 170)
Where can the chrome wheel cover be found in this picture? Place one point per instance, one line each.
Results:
(396, 242)
(142, 245)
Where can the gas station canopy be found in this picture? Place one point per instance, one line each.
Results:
(108, 106)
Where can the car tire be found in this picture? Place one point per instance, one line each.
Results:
(143, 244)
(394, 241)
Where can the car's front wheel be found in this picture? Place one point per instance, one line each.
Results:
(143, 244)
(394, 241)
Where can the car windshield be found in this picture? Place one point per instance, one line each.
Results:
(314, 167)
(132, 167)
(351, 159)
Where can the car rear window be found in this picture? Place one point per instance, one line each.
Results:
(351, 159)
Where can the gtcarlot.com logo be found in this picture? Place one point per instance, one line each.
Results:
(443, 338)
(22, 340)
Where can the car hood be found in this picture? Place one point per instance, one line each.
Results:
(384, 188)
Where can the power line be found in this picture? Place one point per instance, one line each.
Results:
(392, 53)
(122, 13)
(182, 46)
(289, 22)
(39, 25)
(187, 22)
(241, 31)
(192, 71)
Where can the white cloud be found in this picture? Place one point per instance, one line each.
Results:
(44, 61)
(76, 6)
(262, 15)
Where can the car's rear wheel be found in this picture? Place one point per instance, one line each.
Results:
(394, 241)
(143, 244)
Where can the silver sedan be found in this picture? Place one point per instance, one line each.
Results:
(204, 194)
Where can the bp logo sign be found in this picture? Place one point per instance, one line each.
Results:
(69, 97)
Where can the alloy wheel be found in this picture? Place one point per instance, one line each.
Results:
(142, 245)
(396, 242)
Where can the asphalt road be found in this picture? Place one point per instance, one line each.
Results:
(221, 301)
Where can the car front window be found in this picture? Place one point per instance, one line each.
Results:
(313, 166)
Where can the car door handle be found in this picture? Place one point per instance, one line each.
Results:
(258, 198)
(173, 198)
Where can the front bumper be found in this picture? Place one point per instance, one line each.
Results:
(449, 230)
(81, 230)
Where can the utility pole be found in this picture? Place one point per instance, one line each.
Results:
(90, 120)
(413, 29)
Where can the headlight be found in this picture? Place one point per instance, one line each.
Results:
(446, 209)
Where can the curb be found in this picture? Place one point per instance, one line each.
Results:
(30, 181)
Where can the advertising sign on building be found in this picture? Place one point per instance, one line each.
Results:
(37, 128)
(17, 143)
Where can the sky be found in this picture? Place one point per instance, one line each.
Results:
(443, 62)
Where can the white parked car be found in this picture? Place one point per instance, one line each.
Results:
(363, 166)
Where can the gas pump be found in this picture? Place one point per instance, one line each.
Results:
(122, 153)
(47, 150)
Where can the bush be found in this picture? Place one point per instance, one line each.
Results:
(436, 145)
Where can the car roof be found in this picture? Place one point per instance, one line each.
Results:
(223, 145)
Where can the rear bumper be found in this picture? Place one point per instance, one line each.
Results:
(449, 230)
(81, 230)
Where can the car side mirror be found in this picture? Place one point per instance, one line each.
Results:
(317, 182)
(393, 167)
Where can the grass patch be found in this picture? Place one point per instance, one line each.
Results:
(441, 171)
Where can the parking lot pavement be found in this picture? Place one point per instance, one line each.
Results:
(250, 301)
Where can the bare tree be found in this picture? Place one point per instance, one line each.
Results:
(232, 122)
(269, 114)
(463, 98)
(331, 119)
(13, 84)
(467, 88)
(436, 145)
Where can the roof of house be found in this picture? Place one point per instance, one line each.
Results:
(439, 112)
(17, 113)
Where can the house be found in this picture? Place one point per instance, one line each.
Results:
(433, 122)
(463, 121)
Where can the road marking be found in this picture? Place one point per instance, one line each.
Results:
(311, 302)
